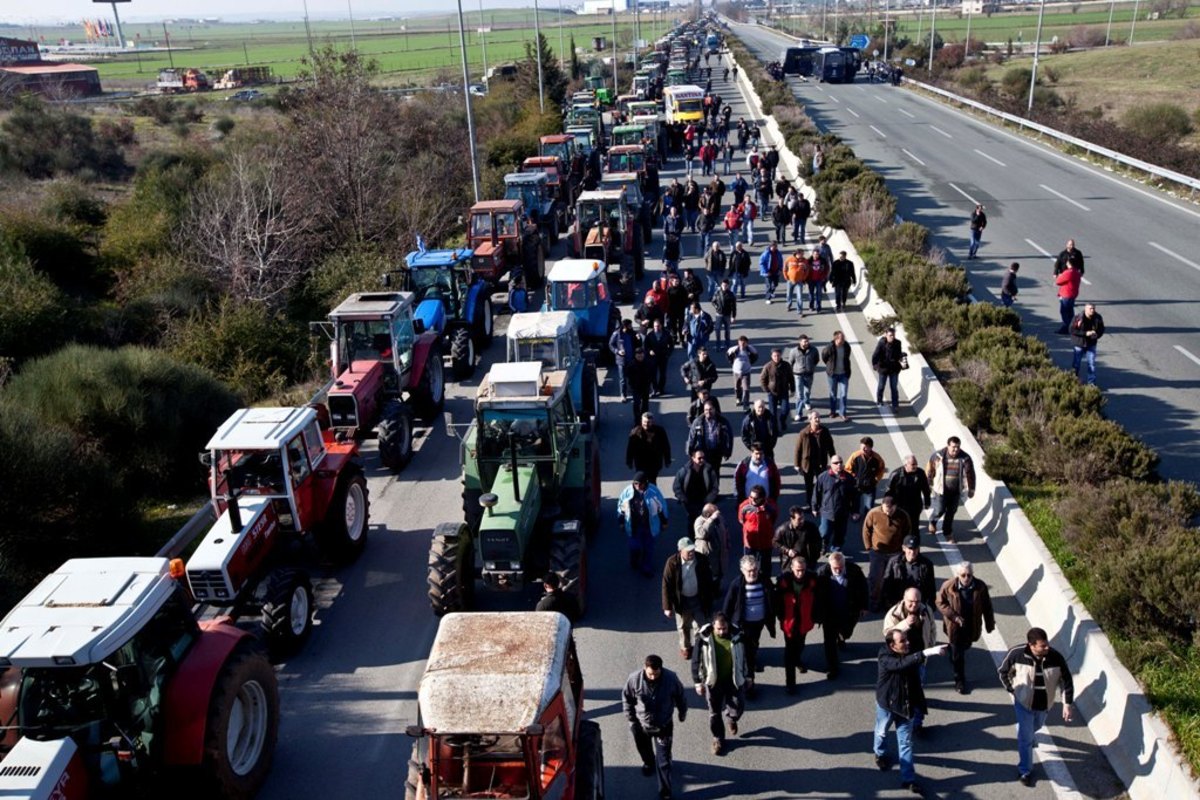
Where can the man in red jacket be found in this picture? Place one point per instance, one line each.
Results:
(757, 516)
(1068, 290)
(795, 595)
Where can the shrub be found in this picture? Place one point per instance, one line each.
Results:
(54, 248)
(974, 79)
(71, 202)
(341, 274)
(1015, 81)
(1042, 394)
(1003, 349)
(33, 314)
(968, 398)
(1101, 450)
(1162, 122)
(38, 141)
(908, 237)
(224, 125)
(1086, 36)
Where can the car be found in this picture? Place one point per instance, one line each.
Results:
(244, 96)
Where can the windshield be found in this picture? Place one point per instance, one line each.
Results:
(478, 765)
(689, 106)
(365, 340)
(571, 295)
(541, 349)
(481, 225)
(589, 215)
(506, 224)
(632, 193)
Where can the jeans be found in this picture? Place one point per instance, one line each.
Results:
(1006, 300)
(688, 621)
(891, 379)
(748, 230)
(723, 698)
(734, 238)
(728, 162)
(1028, 723)
(722, 323)
(780, 232)
(904, 728)
(655, 751)
(944, 505)
(833, 530)
(976, 238)
(741, 389)
(621, 383)
(1066, 312)
(803, 392)
(799, 230)
(714, 282)
(779, 410)
(738, 284)
(795, 296)
(770, 284)
(690, 215)
(839, 388)
(705, 241)
(641, 551)
(814, 295)
(1089, 353)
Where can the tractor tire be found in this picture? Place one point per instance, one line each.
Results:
(590, 399)
(484, 324)
(430, 394)
(451, 569)
(472, 511)
(589, 765)
(395, 435)
(462, 353)
(414, 789)
(287, 612)
(342, 535)
(242, 725)
(568, 557)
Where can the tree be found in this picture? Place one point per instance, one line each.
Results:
(554, 82)
(39, 141)
(576, 67)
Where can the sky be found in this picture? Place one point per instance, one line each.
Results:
(53, 11)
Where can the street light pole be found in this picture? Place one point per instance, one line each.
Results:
(483, 39)
(120, 36)
(350, 10)
(932, 31)
(1037, 48)
(1108, 31)
(462, 44)
(537, 44)
(887, 7)
(616, 91)
(967, 46)
(1133, 22)
(562, 51)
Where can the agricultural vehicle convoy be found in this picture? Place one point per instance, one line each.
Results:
(499, 231)
(552, 338)
(500, 713)
(531, 491)
(605, 230)
(112, 688)
(641, 204)
(387, 369)
(604, 94)
(580, 287)
(452, 300)
(539, 188)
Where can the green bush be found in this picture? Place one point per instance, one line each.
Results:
(969, 400)
(1015, 81)
(1003, 349)
(73, 203)
(54, 249)
(1045, 393)
(1100, 450)
(908, 237)
(224, 125)
(39, 141)
(974, 79)
(341, 274)
(1158, 122)
(33, 314)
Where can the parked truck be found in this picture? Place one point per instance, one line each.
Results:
(175, 81)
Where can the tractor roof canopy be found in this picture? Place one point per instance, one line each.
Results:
(574, 270)
(519, 178)
(520, 384)
(542, 325)
(493, 672)
(84, 611)
(437, 258)
(372, 305)
(260, 428)
(497, 205)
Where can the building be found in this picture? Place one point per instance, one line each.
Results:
(22, 70)
(605, 6)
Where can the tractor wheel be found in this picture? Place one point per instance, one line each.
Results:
(414, 788)
(395, 439)
(242, 724)
(484, 324)
(430, 394)
(451, 569)
(462, 353)
(568, 557)
(472, 511)
(342, 535)
(589, 766)
(590, 400)
(287, 612)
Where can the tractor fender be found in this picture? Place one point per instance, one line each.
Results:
(475, 295)
(421, 350)
(187, 694)
(432, 313)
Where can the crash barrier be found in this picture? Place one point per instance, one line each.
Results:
(1133, 737)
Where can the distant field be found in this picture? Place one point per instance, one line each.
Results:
(428, 44)
(1023, 27)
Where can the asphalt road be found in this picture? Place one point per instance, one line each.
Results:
(1142, 269)
(348, 696)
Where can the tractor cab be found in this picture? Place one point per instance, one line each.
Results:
(604, 231)
(579, 286)
(551, 205)
(634, 158)
(585, 138)
(641, 86)
(583, 98)
(373, 341)
(641, 204)
(560, 145)
(553, 338)
(628, 134)
(525, 737)
(504, 227)
(439, 281)
(116, 681)
(597, 83)
(586, 116)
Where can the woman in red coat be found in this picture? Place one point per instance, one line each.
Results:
(795, 594)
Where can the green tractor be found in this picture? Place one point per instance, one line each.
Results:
(604, 95)
(531, 491)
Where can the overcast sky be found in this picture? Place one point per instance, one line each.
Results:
(50, 11)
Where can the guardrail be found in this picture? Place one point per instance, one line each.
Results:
(200, 521)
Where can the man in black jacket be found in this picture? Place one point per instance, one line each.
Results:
(659, 345)
(724, 303)
(797, 537)
(899, 698)
(651, 697)
(910, 486)
(841, 278)
(887, 360)
(1086, 330)
(1070, 255)
(908, 569)
(696, 484)
(648, 449)
(699, 372)
(842, 596)
(555, 599)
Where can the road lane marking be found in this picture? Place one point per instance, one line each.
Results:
(942, 132)
(1174, 255)
(834, 99)
(1073, 202)
(880, 99)
(1052, 257)
(907, 114)
(964, 194)
(990, 158)
(852, 111)
(1188, 355)
(882, 135)
(910, 155)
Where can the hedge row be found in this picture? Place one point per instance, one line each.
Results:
(1132, 535)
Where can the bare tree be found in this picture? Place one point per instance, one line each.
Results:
(248, 226)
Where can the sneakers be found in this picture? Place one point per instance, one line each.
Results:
(718, 747)
(796, 417)
(768, 301)
(1026, 779)
(686, 653)
(883, 762)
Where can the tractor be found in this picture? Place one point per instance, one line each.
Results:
(640, 203)
(113, 689)
(531, 491)
(552, 337)
(451, 299)
(604, 95)
(503, 226)
(386, 369)
(604, 230)
(542, 189)
(275, 476)
(580, 287)
(586, 116)
(500, 713)
(559, 145)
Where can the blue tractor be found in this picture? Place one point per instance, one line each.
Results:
(579, 285)
(453, 300)
(552, 338)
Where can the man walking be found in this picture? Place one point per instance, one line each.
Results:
(1086, 330)
(648, 450)
(711, 433)
(841, 603)
(748, 606)
(800, 215)
(909, 570)
(951, 474)
(724, 303)
(739, 269)
(883, 531)
(659, 344)
(687, 587)
(966, 608)
(836, 357)
(797, 537)
(795, 600)
(770, 267)
(868, 468)
(841, 278)
(622, 344)
(720, 675)
(742, 356)
(695, 486)
(642, 512)
(888, 360)
(712, 540)
(1068, 291)
(834, 500)
(639, 376)
(759, 429)
(778, 383)
(814, 448)
(714, 264)
(898, 700)
(650, 698)
(1033, 675)
(756, 515)
(910, 486)
(795, 272)
(699, 372)
(1070, 256)
(978, 223)
(913, 616)
(699, 328)
(1008, 286)
(803, 360)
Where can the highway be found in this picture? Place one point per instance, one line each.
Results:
(347, 698)
(1142, 267)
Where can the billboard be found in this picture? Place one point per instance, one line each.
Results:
(13, 51)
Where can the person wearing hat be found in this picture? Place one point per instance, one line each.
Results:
(908, 570)
(883, 531)
(642, 511)
(687, 592)
(555, 599)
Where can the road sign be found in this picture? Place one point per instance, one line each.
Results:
(859, 41)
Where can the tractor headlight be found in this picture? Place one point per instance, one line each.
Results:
(490, 566)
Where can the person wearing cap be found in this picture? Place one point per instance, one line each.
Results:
(908, 569)
(651, 697)
(883, 531)
(648, 450)
(642, 511)
(687, 592)
(720, 674)
(555, 599)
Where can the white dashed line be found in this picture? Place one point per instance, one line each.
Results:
(964, 194)
(990, 158)
(1188, 355)
(1174, 255)
(910, 155)
(882, 135)
(1075, 203)
(852, 111)
(834, 99)
(1051, 256)
(907, 114)
(942, 132)
(880, 99)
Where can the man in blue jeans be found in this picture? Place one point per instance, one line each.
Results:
(1033, 674)
(1086, 330)
(836, 357)
(899, 698)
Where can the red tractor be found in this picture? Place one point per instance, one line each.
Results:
(386, 369)
(605, 230)
(275, 476)
(113, 689)
(504, 226)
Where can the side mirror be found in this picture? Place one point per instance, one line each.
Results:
(418, 326)
(206, 458)
(385, 280)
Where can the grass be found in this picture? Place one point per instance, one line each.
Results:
(1037, 501)
(1023, 27)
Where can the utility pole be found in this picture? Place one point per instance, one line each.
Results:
(932, 31)
(1133, 23)
(462, 44)
(120, 36)
(1108, 31)
(350, 10)
(167, 36)
(246, 52)
(307, 28)
(562, 51)
(483, 39)
(616, 91)
(1037, 49)
(537, 46)
(967, 46)
(886, 28)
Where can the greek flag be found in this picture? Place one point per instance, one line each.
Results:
(421, 244)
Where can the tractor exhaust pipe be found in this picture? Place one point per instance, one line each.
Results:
(235, 491)
(512, 450)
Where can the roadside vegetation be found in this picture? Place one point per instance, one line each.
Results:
(1124, 538)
